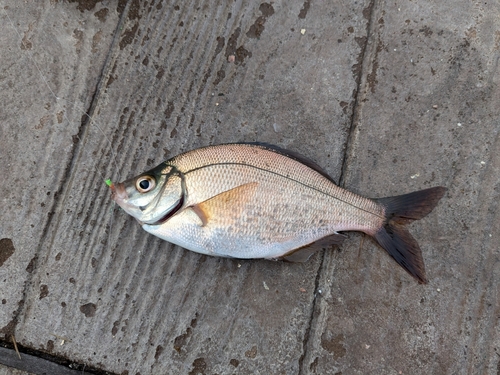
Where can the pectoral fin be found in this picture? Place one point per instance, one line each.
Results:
(303, 253)
(226, 205)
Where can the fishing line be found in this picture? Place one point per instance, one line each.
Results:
(57, 98)
(92, 121)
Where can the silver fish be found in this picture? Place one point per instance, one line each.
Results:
(248, 200)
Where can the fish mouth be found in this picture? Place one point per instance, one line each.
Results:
(118, 192)
(170, 213)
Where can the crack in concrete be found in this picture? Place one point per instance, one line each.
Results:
(368, 12)
(359, 80)
(311, 320)
(34, 361)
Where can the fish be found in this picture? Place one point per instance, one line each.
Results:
(254, 200)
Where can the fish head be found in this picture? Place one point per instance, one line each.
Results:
(152, 197)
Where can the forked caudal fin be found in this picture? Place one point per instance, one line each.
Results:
(395, 238)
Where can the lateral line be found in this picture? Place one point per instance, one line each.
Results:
(291, 179)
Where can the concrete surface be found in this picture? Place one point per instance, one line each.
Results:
(387, 97)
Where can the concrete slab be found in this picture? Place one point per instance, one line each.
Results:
(387, 98)
(49, 51)
(180, 77)
(427, 115)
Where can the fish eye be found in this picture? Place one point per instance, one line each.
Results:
(145, 184)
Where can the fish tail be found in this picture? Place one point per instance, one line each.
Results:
(393, 235)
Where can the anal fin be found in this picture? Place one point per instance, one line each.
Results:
(302, 254)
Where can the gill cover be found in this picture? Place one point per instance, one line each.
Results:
(154, 196)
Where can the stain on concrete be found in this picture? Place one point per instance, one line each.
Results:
(170, 109)
(125, 324)
(257, 28)
(160, 72)
(159, 350)
(10, 328)
(314, 365)
(134, 11)
(426, 30)
(234, 362)
(266, 9)
(120, 7)
(252, 353)
(232, 42)
(31, 265)
(221, 74)
(220, 45)
(50, 345)
(241, 55)
(44, 291)
(43, 121)
(344, 106)
(114, 330)
(102, 14)
(96, 40)
(26, 43)
(84, 5)
(181, 340)
(305, 9)
(334, 344)
(60, 117)
(6, 250)
(128, 36)
(367, 12)
(199, 367)
(88, 309)
(221, 41)
(79, 36)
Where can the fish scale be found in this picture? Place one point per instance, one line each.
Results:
(260, 201)
(271, 196)
(231, 168)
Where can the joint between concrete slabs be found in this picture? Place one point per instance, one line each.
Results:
(360, 82)
(42, 363)
(311, 320)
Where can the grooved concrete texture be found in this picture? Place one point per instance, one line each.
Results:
(388, 98)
